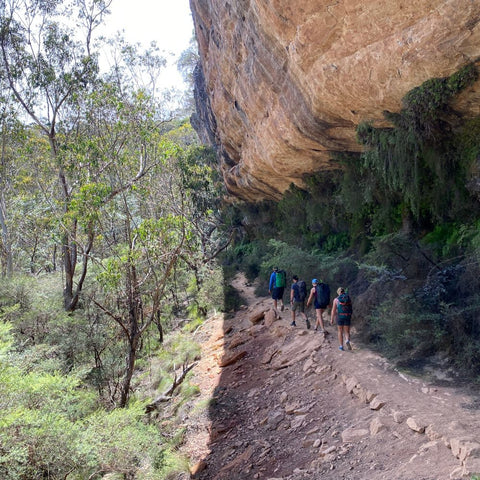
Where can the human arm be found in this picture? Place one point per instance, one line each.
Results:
(310, 297)
(333, 313)
(271, 283)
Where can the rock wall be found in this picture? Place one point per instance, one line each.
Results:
(283, 83)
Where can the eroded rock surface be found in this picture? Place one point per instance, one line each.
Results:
(294, 407)
(283, 83)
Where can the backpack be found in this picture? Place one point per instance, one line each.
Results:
(344, 306)
(322, 292)
(280, 278)
(302, 290)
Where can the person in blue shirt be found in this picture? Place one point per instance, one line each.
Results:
(274, 291)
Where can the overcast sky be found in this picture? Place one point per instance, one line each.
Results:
(168, 22)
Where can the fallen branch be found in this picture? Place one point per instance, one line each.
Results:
(167, 394)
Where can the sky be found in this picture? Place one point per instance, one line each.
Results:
(168, 22)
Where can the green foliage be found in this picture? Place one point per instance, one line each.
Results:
(178, 350)
(418, 168)
(38, 421)
(336, 242)
(170, 463)
(439, 316)
(294, 261)
(214, 293)
(120, 441)
(49, 423)
(454, 239)
(247, 257)
(402, 328)
(87, 202)
(309, 217)
(468, 141)
(200, 178)
(424, 105)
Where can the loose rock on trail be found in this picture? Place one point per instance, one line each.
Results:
(283, 403)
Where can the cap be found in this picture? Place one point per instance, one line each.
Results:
(314, 281)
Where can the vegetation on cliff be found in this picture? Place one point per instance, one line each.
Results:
(112, 223)
(398, 224)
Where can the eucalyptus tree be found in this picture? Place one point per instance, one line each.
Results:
(52, 71)
(162, 233)
(46, 53)
(7, 125)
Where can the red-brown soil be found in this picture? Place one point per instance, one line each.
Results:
(291, 406)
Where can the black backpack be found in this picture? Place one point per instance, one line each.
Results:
(322, 291)
(344, 306)
(302, 290)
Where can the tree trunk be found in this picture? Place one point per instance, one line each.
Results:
(69, 251)
(135, 315)
(129, 369)
(6, 238)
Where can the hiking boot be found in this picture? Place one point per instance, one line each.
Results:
(293, 324)
(308, 324)
(347, 343)
(341, 348)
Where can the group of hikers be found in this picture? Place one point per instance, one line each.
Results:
(319, 296)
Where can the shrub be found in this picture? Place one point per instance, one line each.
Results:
(402, 330)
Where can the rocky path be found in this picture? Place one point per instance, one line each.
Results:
(282, 403)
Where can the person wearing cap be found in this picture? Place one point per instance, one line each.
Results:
(320, 297)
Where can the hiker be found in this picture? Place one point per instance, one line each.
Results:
(298, 293)
(276, 287)
(342, 314)
(320, 296)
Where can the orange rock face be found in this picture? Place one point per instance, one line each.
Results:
(283, 83)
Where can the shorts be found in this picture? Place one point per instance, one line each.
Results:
(277, 293)
(298, 305)
(318, 306)
(344, 322)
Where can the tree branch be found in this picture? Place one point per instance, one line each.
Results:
(167, 395)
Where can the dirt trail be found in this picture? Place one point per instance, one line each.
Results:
(291, 406)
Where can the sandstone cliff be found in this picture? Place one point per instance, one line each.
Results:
(283, 83)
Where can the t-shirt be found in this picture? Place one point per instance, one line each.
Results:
(296, 292)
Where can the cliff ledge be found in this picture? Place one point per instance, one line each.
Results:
(283, 83)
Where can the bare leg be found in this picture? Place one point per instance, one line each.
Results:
(340, 335)
(305, 318)
(346, 329)
(319, 314)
